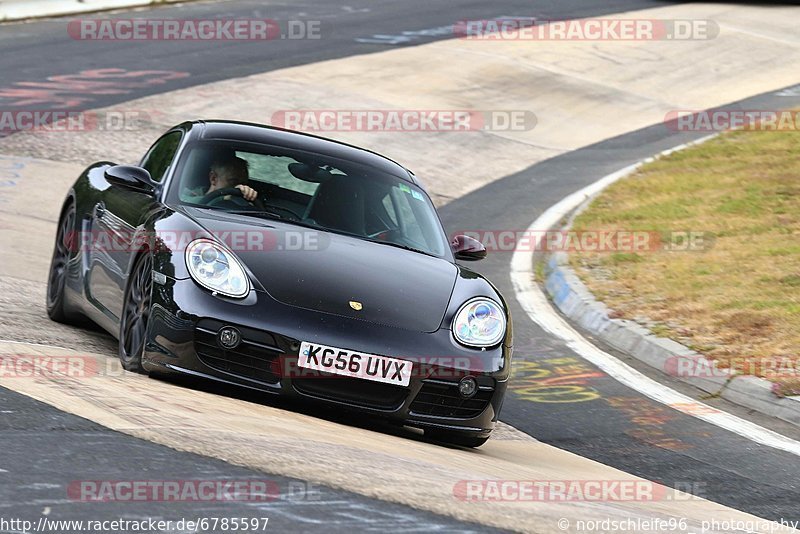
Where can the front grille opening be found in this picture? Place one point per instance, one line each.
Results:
(254, 357)
(355, 391)
(442, 399)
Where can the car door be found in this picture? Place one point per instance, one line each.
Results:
(116, 218)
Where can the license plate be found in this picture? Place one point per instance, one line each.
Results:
(355, 364)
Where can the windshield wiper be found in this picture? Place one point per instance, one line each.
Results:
(398, 245)
(275, 216)
(257, 213)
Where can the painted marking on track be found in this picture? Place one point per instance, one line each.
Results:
(73, 90)
(350, 9)
(553, 380)
(540, 311)
(790, 91)
(650, 422)
(694, 408)
(409, 36)
(406, 36)
(34, 344)
(9, 175)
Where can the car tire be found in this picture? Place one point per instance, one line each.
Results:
(135, 314)
(454, 438)
(63, 252)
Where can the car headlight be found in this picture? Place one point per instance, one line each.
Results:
(480, 323)
(217, 269)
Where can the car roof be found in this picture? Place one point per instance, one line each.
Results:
(270, 135)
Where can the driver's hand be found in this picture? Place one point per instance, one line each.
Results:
(248, 192)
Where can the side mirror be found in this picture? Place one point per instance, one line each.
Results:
(130, 177)
(468, 248)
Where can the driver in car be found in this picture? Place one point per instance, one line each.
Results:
(227, 172)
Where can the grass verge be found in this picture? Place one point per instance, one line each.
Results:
(735, 295)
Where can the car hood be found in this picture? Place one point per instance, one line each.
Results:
(334, 273)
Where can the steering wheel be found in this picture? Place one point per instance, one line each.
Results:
(238, 200)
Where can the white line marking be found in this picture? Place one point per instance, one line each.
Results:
(539, 309)
(33, 344)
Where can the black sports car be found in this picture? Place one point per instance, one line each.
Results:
(290, 264)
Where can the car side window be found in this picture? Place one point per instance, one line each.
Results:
(160, 156)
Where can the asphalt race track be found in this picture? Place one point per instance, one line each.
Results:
(600, 419)
(621, 427)
(67, 447)
(23, 45)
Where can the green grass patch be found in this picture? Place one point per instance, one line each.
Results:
(738, 295)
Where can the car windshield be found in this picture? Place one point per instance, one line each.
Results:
(311, 190)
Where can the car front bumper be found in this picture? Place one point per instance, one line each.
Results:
(182, 338)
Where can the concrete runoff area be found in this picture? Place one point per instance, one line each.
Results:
(392, 468)
(580, 92)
